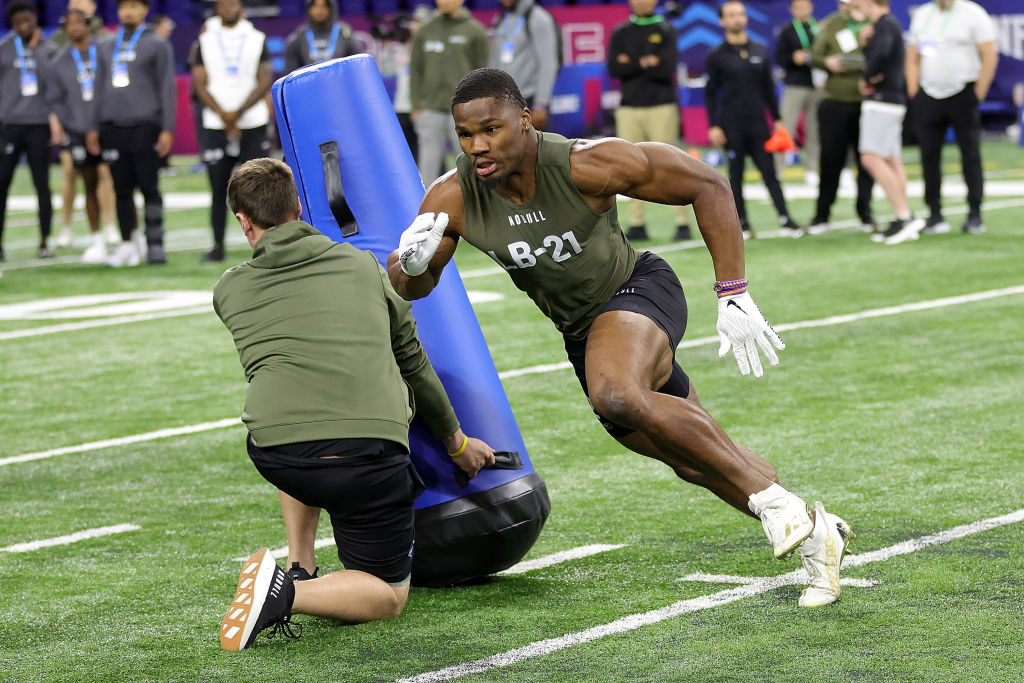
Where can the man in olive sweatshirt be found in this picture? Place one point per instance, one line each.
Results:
(335, 371)
(838, 50)
(446, 48)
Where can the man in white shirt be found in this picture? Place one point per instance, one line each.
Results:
(951, 61)
(232, 75)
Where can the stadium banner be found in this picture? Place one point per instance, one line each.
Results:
(358, 183)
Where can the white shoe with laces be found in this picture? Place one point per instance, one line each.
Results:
(822, 554)
(910, 231)
(96, 252)
(126, 254)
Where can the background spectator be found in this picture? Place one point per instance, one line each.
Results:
(642, 54)
(232, 73)
(525, 44)
(802, 92)
(739, 90)
(322, 37)
(951, 62)
(447, 47)
(838, 50)
(28, 124)
(134, 126)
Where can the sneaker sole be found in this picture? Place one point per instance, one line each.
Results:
(236, 630)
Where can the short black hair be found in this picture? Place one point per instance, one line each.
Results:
(721, 8)
(481, 83)
(20, 6)
(143, 2)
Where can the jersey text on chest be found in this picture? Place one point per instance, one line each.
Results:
(526, 218)
(522, 254)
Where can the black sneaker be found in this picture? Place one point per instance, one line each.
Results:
(974, 226)
(299, 574)
(936, 225)
(789, 228)
(893, 229)
(215, 254)
(155, 255)
(263, 600)
(636, 232)
(682, 233)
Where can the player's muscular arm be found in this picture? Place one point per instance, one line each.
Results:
(445, 195)
(656, 172)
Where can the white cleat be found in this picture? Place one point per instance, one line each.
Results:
(126, 254)
(787, 523)
(910, 231)
(822, 556)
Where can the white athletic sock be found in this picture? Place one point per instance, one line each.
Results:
(761, 498)
(908, 216)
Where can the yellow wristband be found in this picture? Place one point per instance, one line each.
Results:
(462, 448)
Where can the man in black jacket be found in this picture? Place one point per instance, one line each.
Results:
(642, 54)
(738, 90)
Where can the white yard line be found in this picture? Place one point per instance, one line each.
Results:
(282, 552)
(103, 322)
(70, 538)
(551, 367)
(124, 440)
(635, 621)
(701, 577)
(558, 558)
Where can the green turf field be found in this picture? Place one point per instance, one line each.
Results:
(898, 403)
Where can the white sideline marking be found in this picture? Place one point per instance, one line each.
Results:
(86, 324)
(70, 538)
(800, 579)
(821, 322)
(635, 621)
(557, 558)
(282, 552)
(549, 367)
(124, 440)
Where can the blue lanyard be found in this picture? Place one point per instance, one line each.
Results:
(311, 41)
(131, 45)
(224, 51)
(84, 73)
(518, 28)
(22, 62)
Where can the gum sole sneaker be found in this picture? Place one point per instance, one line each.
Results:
(822, 561)
(261, 601)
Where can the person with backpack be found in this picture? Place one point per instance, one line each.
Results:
(527, 44)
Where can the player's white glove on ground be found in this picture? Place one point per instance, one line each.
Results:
(420, 241)
(741, 326)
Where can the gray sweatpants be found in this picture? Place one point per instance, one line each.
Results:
(435, 129)
(796, 99)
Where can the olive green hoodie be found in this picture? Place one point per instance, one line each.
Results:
(444, 50)
(839, 86)
(326, 344)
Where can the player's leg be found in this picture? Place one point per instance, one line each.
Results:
(300, 522)
(37, 154)
(68, 190)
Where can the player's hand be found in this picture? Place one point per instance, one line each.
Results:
(476, 455)
(716, 136)
(164, 141)
(92, 143)
(420, 241)
(742, 327)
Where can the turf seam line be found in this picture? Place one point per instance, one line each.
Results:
(635, 621)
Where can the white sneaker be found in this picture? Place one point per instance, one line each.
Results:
(65, 238)
(96, 253)
(818, 228)
(126, 254)
(787, 523)
(112, 233)
(911, 230)
(139, 237)
(822, 555)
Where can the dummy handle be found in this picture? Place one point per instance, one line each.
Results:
(335, 192)
(503, 460)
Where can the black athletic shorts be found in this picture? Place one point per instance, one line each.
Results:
(369, 499)
(80, 156)
(654, 291)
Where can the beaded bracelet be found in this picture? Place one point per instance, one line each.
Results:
(730, 287)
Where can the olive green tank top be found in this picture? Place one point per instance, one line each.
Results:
(565, 256)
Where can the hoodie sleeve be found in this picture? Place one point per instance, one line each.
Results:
(168, 86)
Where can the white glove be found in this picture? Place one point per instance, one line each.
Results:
(741, 326)
(420, 241)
